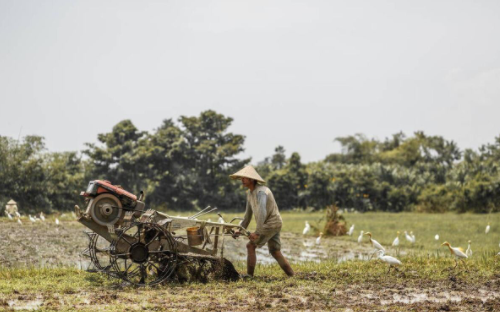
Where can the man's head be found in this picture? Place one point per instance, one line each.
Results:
(248, 176)
(248, 183)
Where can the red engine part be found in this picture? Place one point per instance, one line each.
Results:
(97, 187)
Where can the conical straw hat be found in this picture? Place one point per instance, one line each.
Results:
(248, 172)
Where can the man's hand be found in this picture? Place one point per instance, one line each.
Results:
(253, 236)
(236, 234)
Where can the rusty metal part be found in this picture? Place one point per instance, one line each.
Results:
(98, 252)
(149, 259)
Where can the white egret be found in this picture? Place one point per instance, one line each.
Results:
(360, 237)
(487, 229)
(389, 260)
(33, 220)
(19, 221)
(375, 244)
(42, 217)
(468, 252)
(413, 240)
(458, 252)
(436, 237)
(408, 237)
(351, 230)
(57, 221)
(395, 242)
(306, 228)
(318, 240)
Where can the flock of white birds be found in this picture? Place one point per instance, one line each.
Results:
(458, 252)
(33, 219)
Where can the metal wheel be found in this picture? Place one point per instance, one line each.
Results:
(144, 254)
(98, 252)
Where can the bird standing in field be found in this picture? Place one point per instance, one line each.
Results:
(436, 237)
(318, 240)
(388, 259)
(57, 221)
(19, 221)
(413, 239)
(351, 230)
(42, 217)
(408, 237)
(33, 220)
(375, 244)
(487, 229)
(458, 252)
(306, 228)
(360, 237)
(468, 252)
(395, 242)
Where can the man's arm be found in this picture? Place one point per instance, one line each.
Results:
(260, 215)
(248, 216)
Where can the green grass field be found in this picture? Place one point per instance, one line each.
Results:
(425, 281)
(457, 229)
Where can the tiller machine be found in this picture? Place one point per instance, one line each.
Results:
(146, 247)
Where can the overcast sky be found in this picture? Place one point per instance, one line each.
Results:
(291, 73)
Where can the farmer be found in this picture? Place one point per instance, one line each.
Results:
(261, 203)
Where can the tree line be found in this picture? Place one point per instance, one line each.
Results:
(184, 165)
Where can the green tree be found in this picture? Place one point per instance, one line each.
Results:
(289, 183)
(22, 173)
(162, 151)
(116, 159)
(209, 158)
(66, 176)
(278, 160)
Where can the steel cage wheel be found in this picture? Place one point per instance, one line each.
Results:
(98, 252)
(143, 254)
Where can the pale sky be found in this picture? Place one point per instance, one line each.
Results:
(291, 73)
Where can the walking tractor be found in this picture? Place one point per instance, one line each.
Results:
(146, 247)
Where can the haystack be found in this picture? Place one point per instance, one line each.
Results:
(335, 222)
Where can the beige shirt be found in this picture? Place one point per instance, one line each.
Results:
(261, 203)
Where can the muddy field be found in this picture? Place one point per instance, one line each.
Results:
(314, 288)
(43, 244)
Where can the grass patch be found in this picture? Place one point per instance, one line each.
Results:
(324, 286)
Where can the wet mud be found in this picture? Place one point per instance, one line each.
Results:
(46, 245)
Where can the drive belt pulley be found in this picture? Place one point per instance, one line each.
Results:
(106, 209)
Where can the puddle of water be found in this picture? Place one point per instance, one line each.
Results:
(439, 297)
(299, 249)
(352, 255)
(25, 305)
(308, 256)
